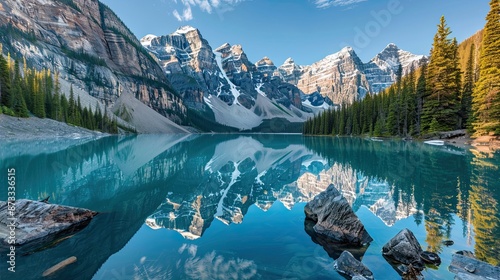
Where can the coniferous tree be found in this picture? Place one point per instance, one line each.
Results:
(441, 107)
(421, 94)
(39, 98)
(64, 109)
(466, 99)
(71, 107)
(486, 95)
(4, 82)
(18, 103)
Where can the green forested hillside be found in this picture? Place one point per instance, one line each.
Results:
(25, 90)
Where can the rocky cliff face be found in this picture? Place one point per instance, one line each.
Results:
(223, 82)
(91, 48)
(343, 77)
(200, 74)
(382, 70)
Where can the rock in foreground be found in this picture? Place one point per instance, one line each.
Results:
(348, 265)
(35, 220)
(334, 218)
(404, 248)
(470, 268)
(332, 247)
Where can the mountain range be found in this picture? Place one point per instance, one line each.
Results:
(168, 83)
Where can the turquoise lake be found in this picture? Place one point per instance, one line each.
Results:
(232, 206)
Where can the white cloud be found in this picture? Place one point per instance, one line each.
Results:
(177, 16)
(207, 6)
(323, 4)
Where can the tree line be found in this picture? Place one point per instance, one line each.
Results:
(39, 93)
(439, 96)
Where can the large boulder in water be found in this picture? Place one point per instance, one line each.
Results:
(404, 248)
(346, 264)
(334, 218)
(34, 219)
(333, 247)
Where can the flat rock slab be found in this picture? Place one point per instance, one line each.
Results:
(334, 218)
(34, 220)
(470, 268)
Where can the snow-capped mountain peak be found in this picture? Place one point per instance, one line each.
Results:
(146, 40)
(184, 29)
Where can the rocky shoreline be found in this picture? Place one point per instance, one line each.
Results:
(339, 226)
(35, 128)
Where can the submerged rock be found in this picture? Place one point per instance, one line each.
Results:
(448, 242)
(332, 247)
(35, 220)
(348, 265)
(471, 268)
(430, 257)
(335, 218)
(404, 248)
(409, 272)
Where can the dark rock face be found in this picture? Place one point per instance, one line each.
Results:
(334, 218)
(348, 265)
(404, 248)
(36, 219)
(470, 268)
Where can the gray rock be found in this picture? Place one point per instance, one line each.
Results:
(35, 220)
(335, 218)
(466, 267)
(467, 276)
(430, 257)
(348, 265)
(404, 248)
(409, 272)
(466, 253)
(470, 268)
(358, 277)
(332, 247)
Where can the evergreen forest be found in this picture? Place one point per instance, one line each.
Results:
(26, 91)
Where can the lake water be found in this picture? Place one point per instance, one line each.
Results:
(231, 206)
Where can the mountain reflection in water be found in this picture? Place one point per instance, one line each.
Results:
(204, 206)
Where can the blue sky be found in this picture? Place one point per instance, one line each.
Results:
(306, 30)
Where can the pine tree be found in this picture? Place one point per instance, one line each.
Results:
(442, 106)
(64, 109)
(39, 98)
(466, 99)
(47, 91)
(98, 119)
(18, 103)
(71, 107)
(486, 95)
(421, 93)
(4, 82)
